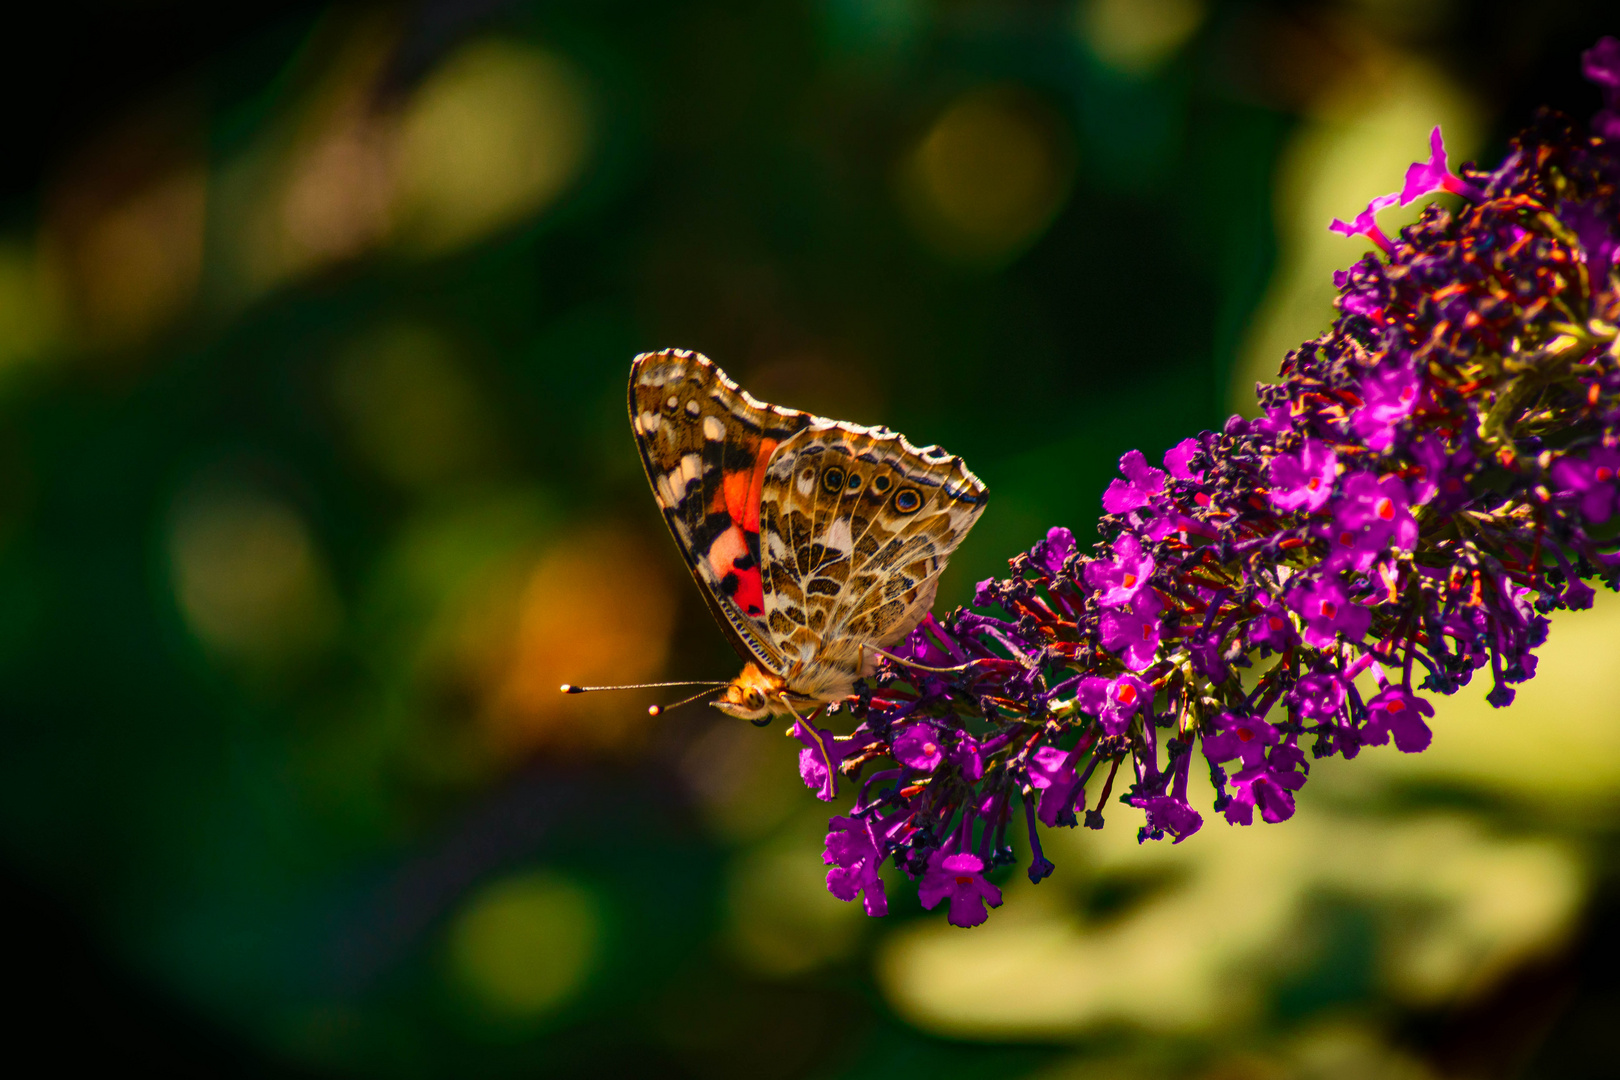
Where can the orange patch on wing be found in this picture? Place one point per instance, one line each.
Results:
(750, 517)
(733, 493)
(739, 490)
(723, 554)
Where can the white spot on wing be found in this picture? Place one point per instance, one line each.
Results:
(672, 402)
(713, 429)
(666, 494)
(693, 408)
(691, 468)
(838, 536)
(648, 422)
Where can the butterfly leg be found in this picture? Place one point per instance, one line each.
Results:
(922, 667)
(807, 724)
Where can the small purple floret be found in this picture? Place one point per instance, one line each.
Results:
(1303, 481)
(1395, 710)
(1051, 772)
(959, 878)
(853, 853)
(1425, 177)
(1178, 461)
(1134, 632)
(1114, 702)
(1328, 611)
(1121, 578)
(918, 747)
(1142, 482)
(1239, 737)
(1593, 481)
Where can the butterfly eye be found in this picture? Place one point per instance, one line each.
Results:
(854, 482)
(833, 480)
(906, 500)
(880, 484)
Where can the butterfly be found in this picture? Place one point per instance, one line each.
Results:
(816, 543)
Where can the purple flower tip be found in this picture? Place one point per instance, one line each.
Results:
(1435, 175)
(1366, 223)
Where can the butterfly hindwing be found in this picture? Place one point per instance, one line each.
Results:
(706, 444)
(857, 525)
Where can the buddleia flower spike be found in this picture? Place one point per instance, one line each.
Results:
(1429, 479)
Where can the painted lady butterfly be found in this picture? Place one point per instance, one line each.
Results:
(816, 543)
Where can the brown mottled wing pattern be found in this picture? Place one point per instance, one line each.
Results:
(706, 444)
(857, 525)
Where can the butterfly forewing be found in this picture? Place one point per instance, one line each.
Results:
(705, 445)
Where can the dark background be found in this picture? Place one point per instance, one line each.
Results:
(297, 512)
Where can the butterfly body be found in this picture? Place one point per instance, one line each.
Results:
(816, 543)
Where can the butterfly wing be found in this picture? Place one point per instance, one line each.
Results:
(858, 524)
(705, 444)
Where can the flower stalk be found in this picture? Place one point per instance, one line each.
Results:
(1429, 479)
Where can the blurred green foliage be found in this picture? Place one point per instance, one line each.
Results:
(315, 481)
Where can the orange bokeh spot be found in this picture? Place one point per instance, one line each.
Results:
(590, 609)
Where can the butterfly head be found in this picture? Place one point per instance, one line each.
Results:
(752, 695)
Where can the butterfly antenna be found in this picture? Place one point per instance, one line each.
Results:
(657, 710)
(570, 688)
(652, 710)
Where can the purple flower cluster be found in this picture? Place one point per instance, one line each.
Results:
(1429, 479)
